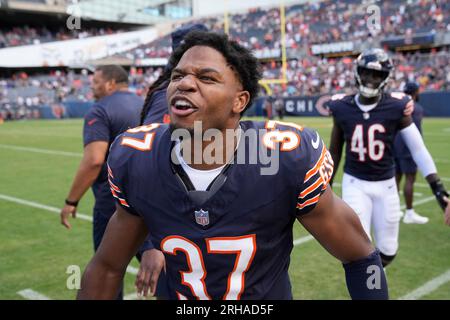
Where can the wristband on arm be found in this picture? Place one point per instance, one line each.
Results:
(439, 191)
(71, 203)
(366, 279)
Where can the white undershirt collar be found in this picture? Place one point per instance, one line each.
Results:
(364, 107)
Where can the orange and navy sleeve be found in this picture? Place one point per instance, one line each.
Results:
(117, 176)
(318, 167)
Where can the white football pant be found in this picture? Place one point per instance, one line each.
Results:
(377, 205)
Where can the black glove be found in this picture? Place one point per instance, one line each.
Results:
(440, 192)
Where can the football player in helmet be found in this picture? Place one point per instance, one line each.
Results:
(367, 123)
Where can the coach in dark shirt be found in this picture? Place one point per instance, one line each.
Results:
(115, 111)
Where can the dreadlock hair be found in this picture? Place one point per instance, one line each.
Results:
(160, 83)
(240, 59)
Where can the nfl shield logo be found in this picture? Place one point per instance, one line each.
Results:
(202, 217)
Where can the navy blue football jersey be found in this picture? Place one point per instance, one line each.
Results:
(105, 120)
(401, 151)
(369, 136)
(159, 110)
(235, 242)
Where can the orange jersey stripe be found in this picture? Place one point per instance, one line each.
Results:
(316, 167)
(123, 202)
(113, 186)
(311, 188)
(308, 202)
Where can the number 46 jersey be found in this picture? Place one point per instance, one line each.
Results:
(369, 135)
(234, 240)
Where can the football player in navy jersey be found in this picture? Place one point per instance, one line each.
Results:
(367, 123)
(224, 227)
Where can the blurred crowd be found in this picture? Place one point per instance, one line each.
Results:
(313, 75)
(22, 93)
(310, 75)
(318, 22)
(25, 35)
(259, 30)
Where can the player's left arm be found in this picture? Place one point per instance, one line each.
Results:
(422, 157)
(338, 229)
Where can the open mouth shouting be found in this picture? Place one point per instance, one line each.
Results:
(182, 107)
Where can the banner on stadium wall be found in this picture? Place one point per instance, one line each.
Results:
(70, 109)
(434, 104)
(304, 106)
(336, 47)
(409, 40)
(74, 52)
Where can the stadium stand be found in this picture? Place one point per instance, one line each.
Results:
(307, 74)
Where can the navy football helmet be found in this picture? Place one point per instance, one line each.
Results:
(372, 68)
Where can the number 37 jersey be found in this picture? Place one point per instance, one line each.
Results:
(234, 240)
(369, 135)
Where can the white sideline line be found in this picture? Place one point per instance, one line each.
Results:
(45, 151)
(40, 206)
(308, 238)
(33, 204)
(131, 296)
(428, 287)
(302, 240)
(32, 295)
(132, 270)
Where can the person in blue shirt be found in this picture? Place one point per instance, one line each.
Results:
(116, 110)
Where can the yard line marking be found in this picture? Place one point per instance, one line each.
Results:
(421, 185)
(33, 204)
(132, 270)
(32, 295)
(40, 206)
(302, 240)
(439, 160)
(131, 296)
(44, 151)
(428, 287)
(419, 202)
(308, 238)
(416, 194)
(445, 179)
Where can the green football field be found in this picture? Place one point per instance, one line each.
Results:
(38, 160)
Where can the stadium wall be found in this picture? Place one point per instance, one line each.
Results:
(434, 104)
(74, 52)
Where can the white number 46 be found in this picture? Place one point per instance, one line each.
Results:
(375, 148)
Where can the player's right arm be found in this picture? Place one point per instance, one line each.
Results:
(103, 275)
(335, 225)
(336, 145)
(422, 157)
(338, 229)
